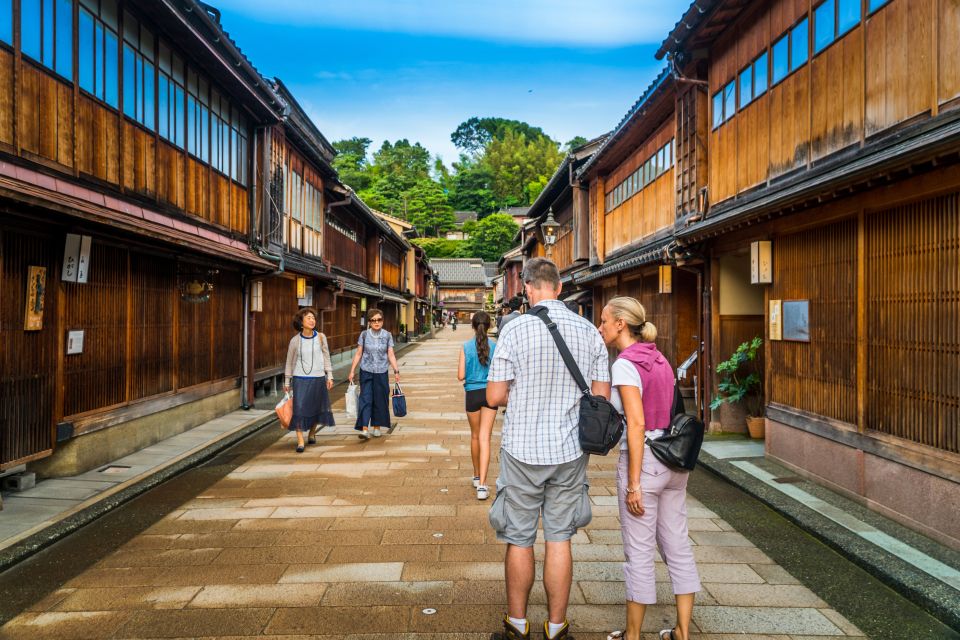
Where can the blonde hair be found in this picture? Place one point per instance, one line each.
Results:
(634, 315)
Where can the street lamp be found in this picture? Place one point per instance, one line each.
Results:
(549, 227)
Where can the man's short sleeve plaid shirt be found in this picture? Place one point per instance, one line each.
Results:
(540, 426)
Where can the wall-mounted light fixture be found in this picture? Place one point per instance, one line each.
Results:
(761, 262)
(666, 278)
(256, 296)
(550, 228)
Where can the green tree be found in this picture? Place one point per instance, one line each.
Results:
(439, 247)
(521, 167)
(351, 162)
(475, 134)
(407, 163)
(492, 237)
(427, 208)
(576, 141)
(470, 187)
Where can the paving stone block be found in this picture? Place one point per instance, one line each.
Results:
(351, 572)
(237, 596)
(751, 620)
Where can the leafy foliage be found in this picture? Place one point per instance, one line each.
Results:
(440, 247)
(475, 134)
(577, 141)
(732, 388)
(521, 167)
(351, 162)
(492, 237)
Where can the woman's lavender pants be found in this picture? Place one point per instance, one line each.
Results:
(663, 524)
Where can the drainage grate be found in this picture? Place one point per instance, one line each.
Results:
(115, 468)
(788, 480)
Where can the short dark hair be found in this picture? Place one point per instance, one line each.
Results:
(540, 271)
(374, 312)
(515, 303)
(298, 317)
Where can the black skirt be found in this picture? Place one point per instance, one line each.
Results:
(311, 404)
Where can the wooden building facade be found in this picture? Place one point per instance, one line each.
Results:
(126, 174)
(793, 174)
(833, 135)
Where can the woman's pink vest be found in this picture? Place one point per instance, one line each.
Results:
(656, 375)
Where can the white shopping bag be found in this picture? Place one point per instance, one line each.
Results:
(352, 392)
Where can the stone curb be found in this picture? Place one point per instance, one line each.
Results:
(928, 592)
(102, 504)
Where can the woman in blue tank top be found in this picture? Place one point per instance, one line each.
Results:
(475, 358)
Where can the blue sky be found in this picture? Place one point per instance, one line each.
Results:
(390, 69)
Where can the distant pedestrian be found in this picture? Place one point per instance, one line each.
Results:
(453, 323)
(472, 370)
(513, 305)
(376, 357)
(308, 377)
(542, 467)
(652, 496)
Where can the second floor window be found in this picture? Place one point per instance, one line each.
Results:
(198, 116)
(46, 33)
(6, 21)
(171, 96)
(138, 72)
(97, 50)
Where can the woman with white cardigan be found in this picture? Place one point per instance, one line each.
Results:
(308, 377)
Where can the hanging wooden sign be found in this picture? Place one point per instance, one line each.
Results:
(36, 288)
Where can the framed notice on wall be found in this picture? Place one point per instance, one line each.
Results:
(796, 320)
(775, 323)
(36, 290)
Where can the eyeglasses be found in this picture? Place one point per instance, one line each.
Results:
(376, 319)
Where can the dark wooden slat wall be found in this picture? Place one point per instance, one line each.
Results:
(28, 359)
(274, 328)
(819, 376)
(913, 336)
(95, 379)
(340, 326)
(344, 252)
(690, 164)
(153, 306)
(227, 339)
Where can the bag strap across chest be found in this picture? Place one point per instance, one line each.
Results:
(541, 312)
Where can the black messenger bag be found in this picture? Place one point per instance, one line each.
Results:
(601, 425)
(679, 448)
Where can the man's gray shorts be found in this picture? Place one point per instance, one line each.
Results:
(560, 492)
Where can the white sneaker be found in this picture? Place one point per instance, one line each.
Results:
(483, 492)
(376, 432)
(365, 435)
(476, 482)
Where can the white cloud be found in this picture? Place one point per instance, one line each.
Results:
(603, 23)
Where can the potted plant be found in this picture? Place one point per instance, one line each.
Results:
(736, 387)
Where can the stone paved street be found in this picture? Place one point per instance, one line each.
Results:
(358, 539)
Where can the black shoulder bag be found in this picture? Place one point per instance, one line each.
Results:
(679, 448)
(601, 425)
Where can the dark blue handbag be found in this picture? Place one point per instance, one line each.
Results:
(399, 401)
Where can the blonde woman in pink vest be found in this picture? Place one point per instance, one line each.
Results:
(652, 496)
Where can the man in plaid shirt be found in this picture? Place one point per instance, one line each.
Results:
(542, 468)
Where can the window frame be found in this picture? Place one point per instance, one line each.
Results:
(49, 25)
(106, 70)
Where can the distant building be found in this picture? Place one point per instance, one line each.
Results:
(464, 285)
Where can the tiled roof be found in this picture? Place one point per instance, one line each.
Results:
(463, 216)
(460, 271)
